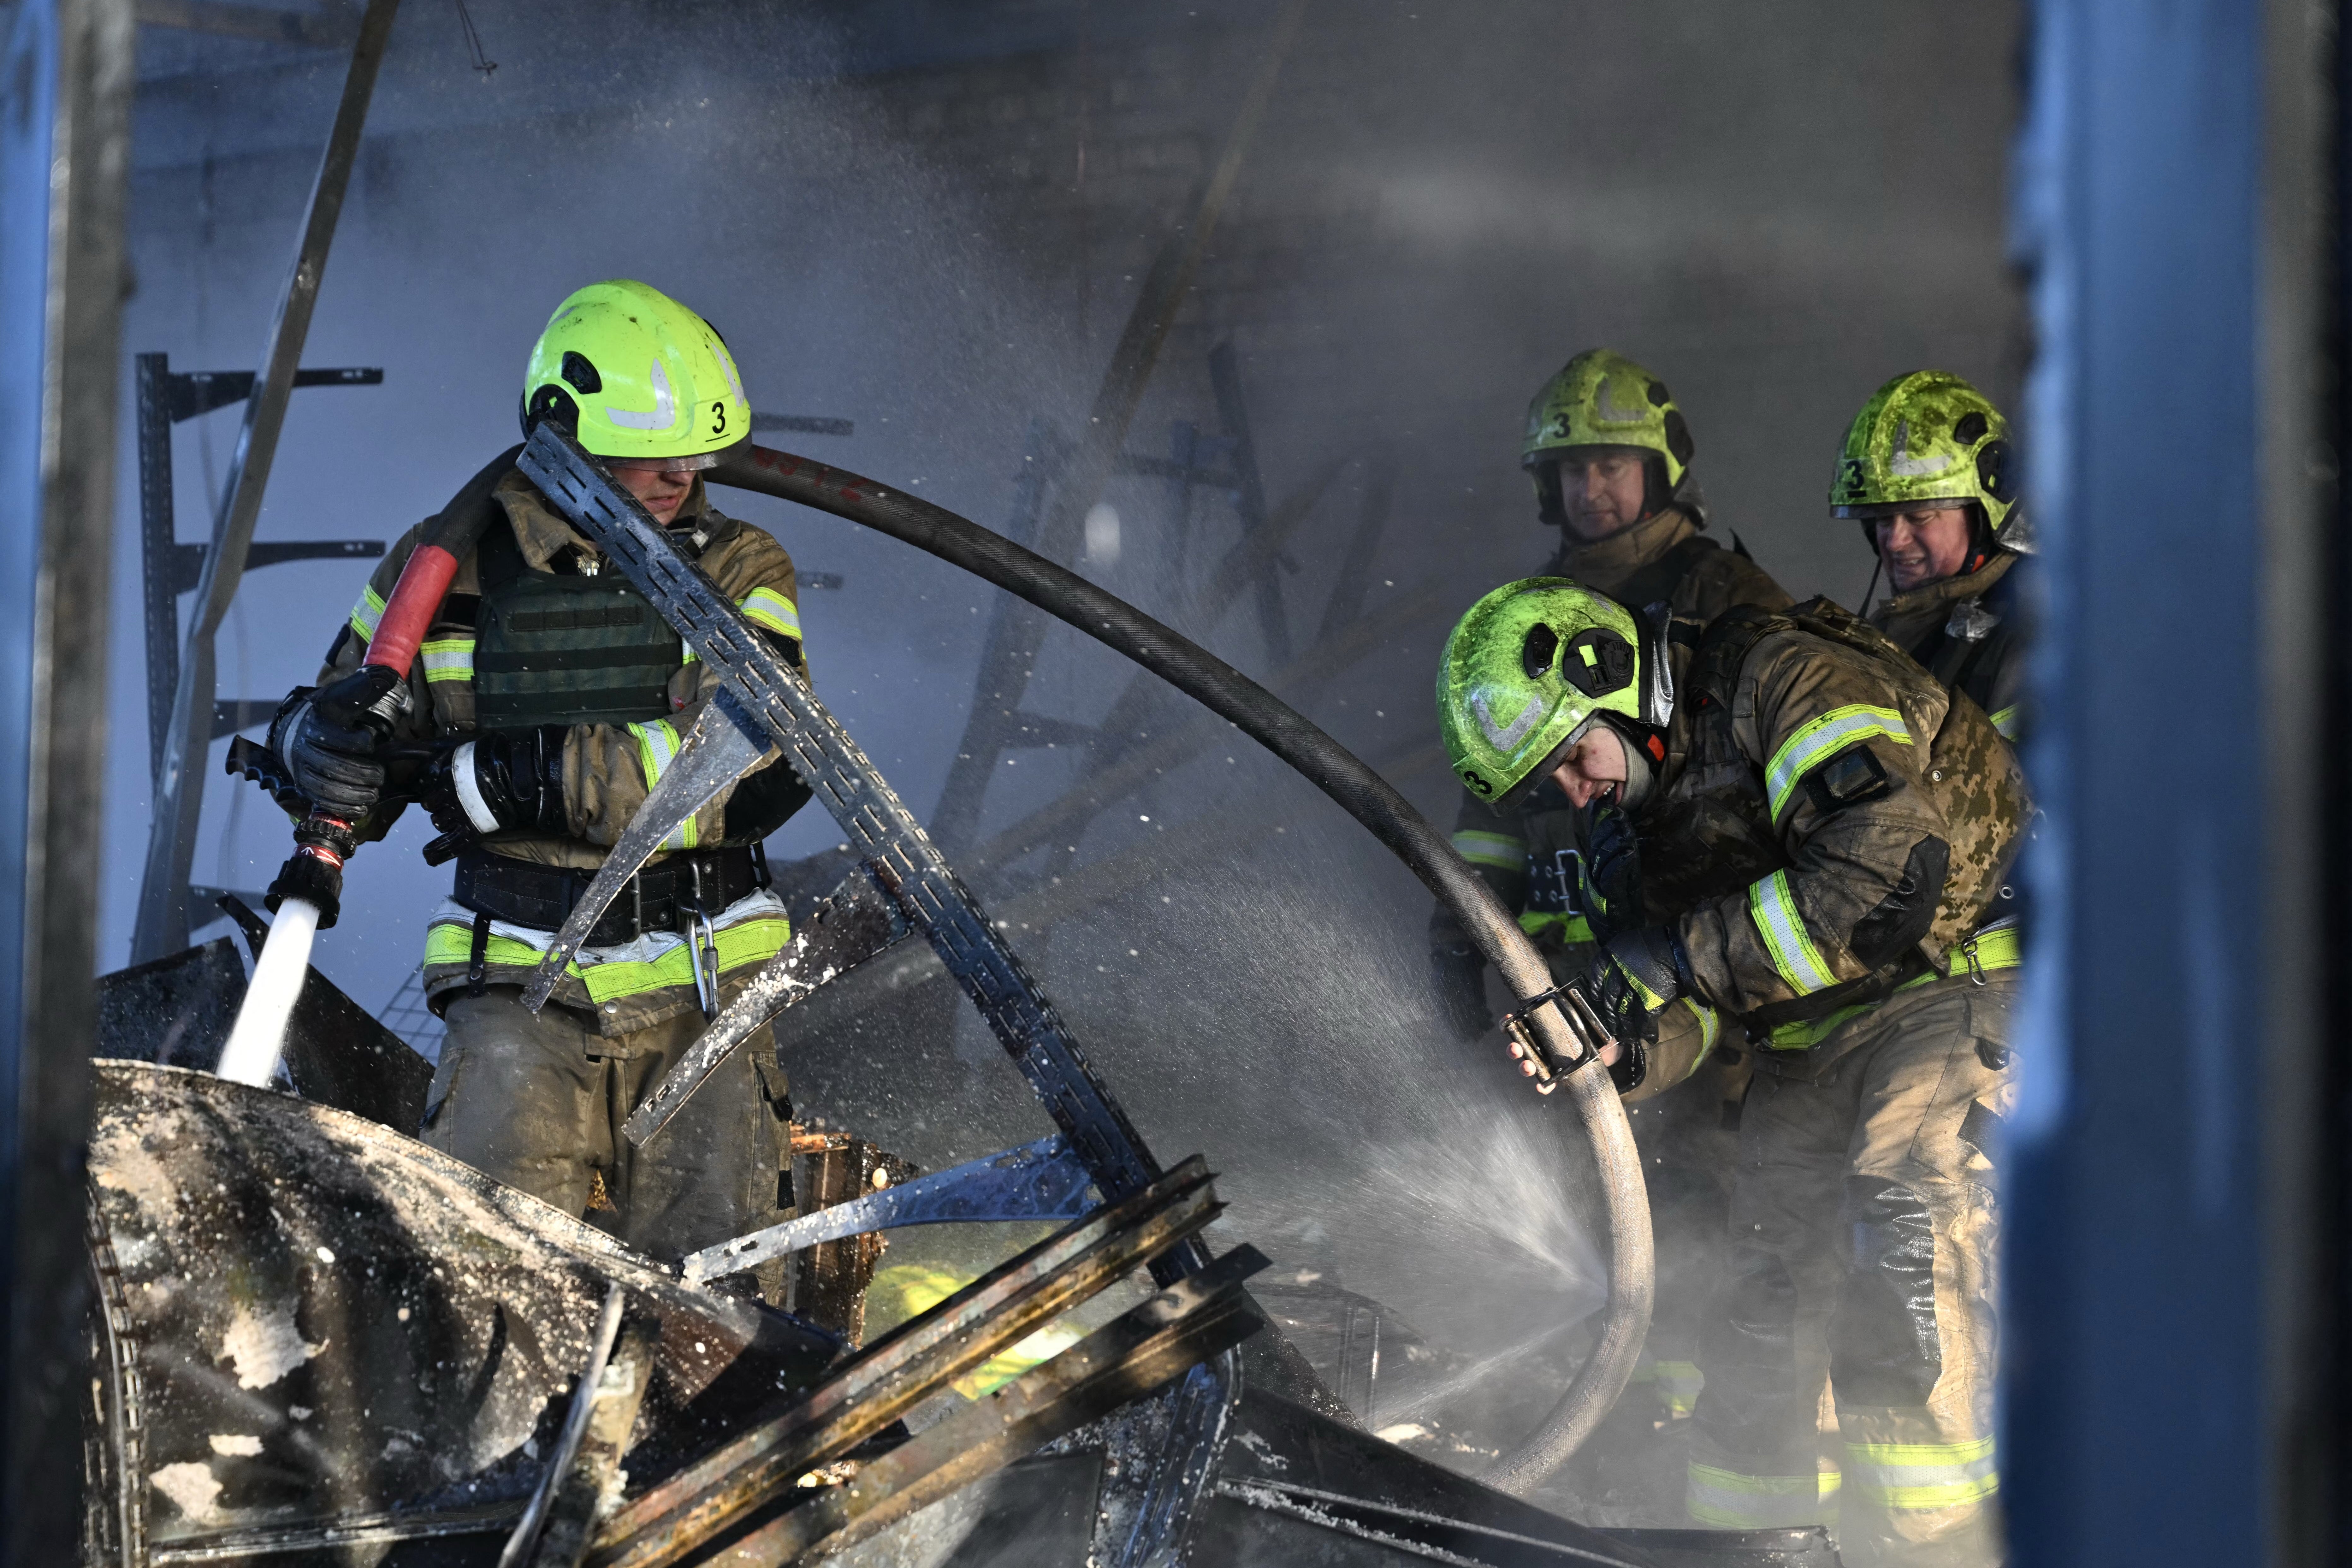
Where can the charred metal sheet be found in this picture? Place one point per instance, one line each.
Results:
(903, 1368)
(1809, 1547)
(557, 1476)
(1043, 1180)
(177, 1010)
(317, 1331)
(851, 924)
(1037, 1512)
(1294, 1487)
(586, 1483)
(1199, 1316)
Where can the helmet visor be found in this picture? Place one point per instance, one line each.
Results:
(1535, 776)
(692, 462)
(1867, 510)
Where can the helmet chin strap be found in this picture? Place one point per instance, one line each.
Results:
(1640, 777)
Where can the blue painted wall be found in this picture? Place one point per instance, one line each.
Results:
(2133, 1426)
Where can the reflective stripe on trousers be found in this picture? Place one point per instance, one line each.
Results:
(1730, 1501)
(1919, 1475)
(1678, 1385)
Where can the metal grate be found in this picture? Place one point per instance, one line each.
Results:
(407, 1015)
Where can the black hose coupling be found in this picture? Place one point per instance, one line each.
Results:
(314, 872)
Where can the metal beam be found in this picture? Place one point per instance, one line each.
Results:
(65, 104)
(170, 568)
(163, 923)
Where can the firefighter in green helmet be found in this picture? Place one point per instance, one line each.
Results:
(1609, 454)
(550, 695)
(1927, 469)
(1799, 840)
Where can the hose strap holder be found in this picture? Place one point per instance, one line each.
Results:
(1583, 1026)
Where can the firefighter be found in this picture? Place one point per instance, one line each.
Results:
(550, 695)
(1928, 471)
(1800, 840)
(1609, 454)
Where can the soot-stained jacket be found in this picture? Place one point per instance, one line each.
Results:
(1530, 855)
(1830, 822)
(1970, 633)
(608, 768)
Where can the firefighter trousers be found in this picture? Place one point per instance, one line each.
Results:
(1689, 1142)
(1864, 1232)
(536, 1102)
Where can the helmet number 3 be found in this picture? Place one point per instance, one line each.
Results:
(718, 418)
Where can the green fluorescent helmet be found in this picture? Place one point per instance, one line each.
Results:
(1524, 674)
(1600, 398)
(1923, 438)
(630, 373)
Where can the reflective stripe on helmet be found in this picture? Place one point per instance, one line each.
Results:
(1818, 740)
(1922, 1476)
(665, 410)
(1500, 850)
(1731, 1501)
(1774, 907)
(451, 659)
(366, 613)
(657, 743)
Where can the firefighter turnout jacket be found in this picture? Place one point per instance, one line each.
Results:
(537, 629)
(1530, 855)
(1830, 826)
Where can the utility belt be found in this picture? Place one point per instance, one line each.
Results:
(667, 896)
(1992, 948)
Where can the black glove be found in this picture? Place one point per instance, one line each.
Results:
(1459, 974)
(1633, 979)
(331, 742)
(502, 781)
(1611, 887)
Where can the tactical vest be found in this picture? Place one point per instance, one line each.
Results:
(552, 648)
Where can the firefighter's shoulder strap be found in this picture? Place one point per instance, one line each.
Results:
(1731, 637)
(497, 556)
(1660, 578)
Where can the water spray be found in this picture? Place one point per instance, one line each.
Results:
(307, 896)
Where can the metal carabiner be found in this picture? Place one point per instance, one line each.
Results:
(703, 945)
(1976, 968)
